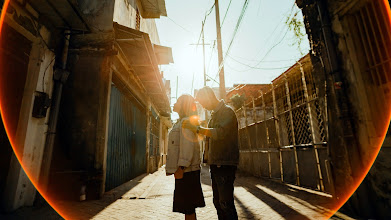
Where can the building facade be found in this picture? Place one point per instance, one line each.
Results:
(349, 41)
(94, 66)
(282, 131)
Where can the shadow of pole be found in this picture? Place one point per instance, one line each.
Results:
(246, 214)
(284, 210)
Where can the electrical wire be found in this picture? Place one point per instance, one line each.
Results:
(222, 23)
(256, 66)
(272, 35)
(180, 26)
(265, 61)
(203, 23)
(44, 73)
(267, 53)
(207, 13)
(242, 13)
(260, 68)
(211, 55)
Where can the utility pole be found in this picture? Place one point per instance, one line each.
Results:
(220, 52)
(203, 50)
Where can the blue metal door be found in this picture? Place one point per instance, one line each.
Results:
(126, 147)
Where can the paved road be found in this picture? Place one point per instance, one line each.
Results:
(150, 197)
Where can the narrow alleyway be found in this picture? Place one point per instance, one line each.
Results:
(150, 197)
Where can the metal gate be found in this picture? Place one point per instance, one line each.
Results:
(126, 147)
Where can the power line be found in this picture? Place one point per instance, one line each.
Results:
(206, 15)
(251, 67)
(212, 79)
(226, 12)
(256, 66)
(180, 26)
(274, 30)
(234, 34)
(263, 68)
(267, 53)
(265, 61)
(211, 54)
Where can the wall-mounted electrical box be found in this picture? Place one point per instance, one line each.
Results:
(41, 104)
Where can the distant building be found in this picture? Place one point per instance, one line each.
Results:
(250, 91)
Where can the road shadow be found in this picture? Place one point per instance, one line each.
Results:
(262, 188)
(73, 209)
(249, 183)
(278, 206)
(247, 214)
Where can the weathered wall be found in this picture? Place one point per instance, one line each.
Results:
(31, 132)
(149, 26)
(82, 139)
(379, 178)
(81, 143)
(98, 14)
(360, 103)
(125, 14)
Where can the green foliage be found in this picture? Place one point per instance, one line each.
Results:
(238, 100)
(296, 25)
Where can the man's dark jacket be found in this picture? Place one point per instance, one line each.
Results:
(224, 144)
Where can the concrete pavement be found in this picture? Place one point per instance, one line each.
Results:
(149, 196)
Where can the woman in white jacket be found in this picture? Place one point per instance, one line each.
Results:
(184, 160)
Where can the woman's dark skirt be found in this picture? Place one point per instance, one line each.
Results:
(188, 193)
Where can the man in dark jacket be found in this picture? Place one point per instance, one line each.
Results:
(223, 155)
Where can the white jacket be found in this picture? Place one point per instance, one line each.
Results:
(183, 149)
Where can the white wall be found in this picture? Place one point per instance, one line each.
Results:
(31, 132)
(125, 14)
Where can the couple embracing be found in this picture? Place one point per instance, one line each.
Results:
(184, 154)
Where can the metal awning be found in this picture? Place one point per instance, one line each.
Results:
(61, 14)
(138, 51)
(163, 54)
(152, 8)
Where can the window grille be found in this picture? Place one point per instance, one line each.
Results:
(371, 36)
(138, 19)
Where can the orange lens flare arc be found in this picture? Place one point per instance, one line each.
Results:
(379, 145)
(194, 120)
(12, 141)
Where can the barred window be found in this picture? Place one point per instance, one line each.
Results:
(138, 19)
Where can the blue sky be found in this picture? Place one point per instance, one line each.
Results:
(263, 40)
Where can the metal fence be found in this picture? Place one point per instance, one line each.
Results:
(282, 133)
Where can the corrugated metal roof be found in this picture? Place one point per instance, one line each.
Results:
(137, 49)
(152, 8)
(61, 13)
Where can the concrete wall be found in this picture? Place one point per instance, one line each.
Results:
(81, 143)
(82, 140)
(363, 119)
(149, 26)
(125, 14)
(31, 132)
(98, 14)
